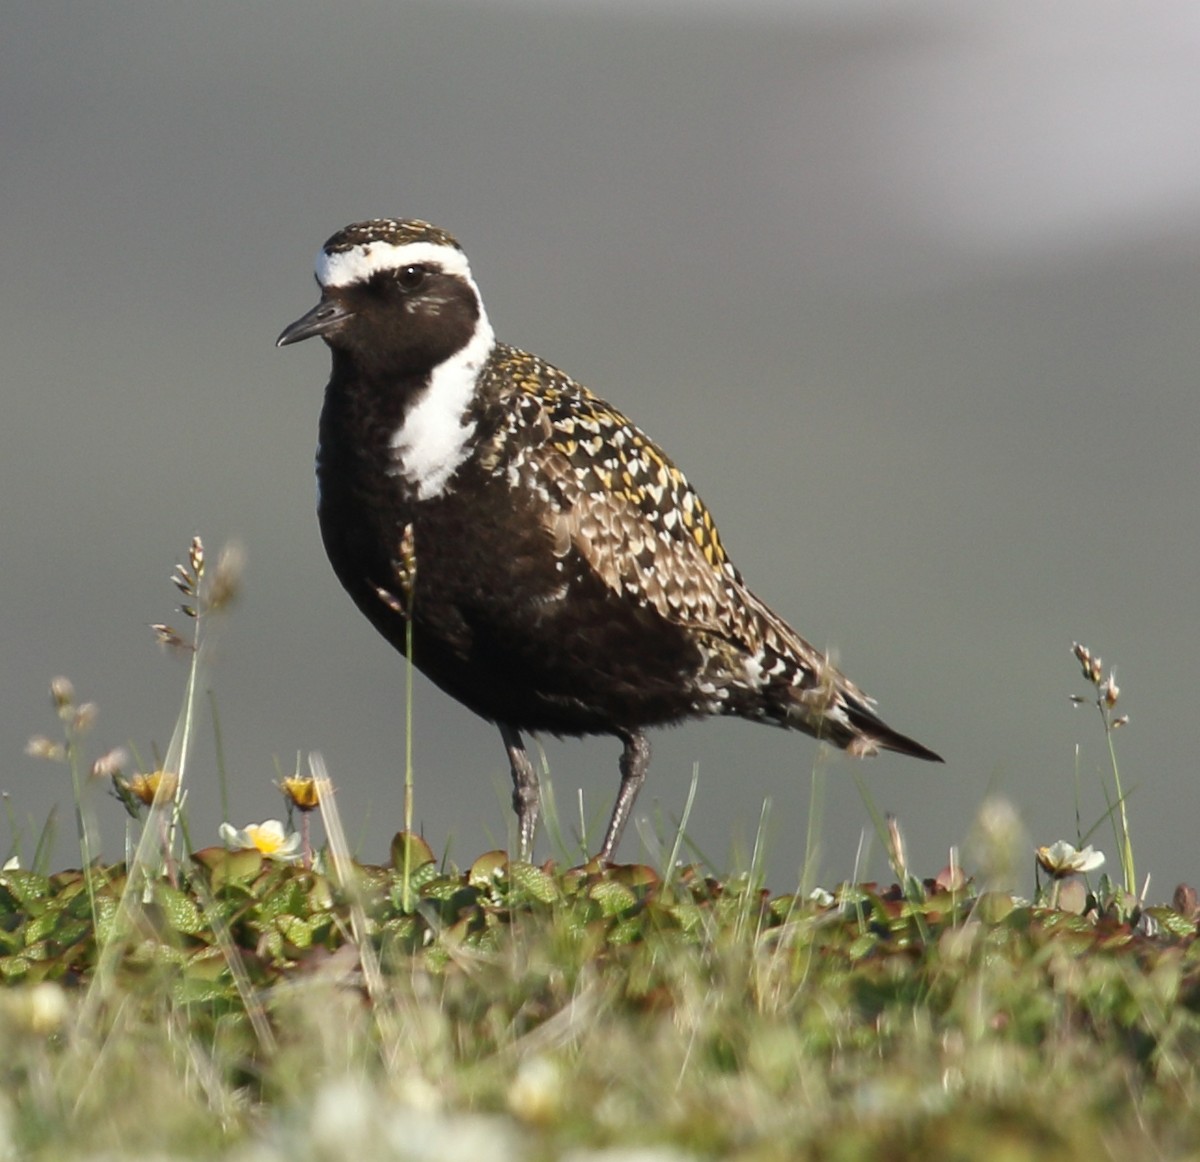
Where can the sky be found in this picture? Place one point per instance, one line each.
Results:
(908, 291)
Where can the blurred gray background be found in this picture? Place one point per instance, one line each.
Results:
(909, 291)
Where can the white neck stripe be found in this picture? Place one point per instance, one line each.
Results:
(432, 441)
(359, 263)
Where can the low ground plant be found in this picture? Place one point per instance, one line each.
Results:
(272, 997)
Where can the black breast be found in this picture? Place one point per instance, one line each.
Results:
(514, 632)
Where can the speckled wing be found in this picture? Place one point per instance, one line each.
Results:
(633, 517)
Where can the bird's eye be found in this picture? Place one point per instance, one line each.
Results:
(411, 277)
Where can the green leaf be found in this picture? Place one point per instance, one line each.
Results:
(613, 898)
(488, 868)
(419, 852)
(181, 911)
(534, 882)
(23, 887)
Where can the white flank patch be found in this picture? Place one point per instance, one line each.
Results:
(432, 441)
(753, 665)
(360, 262)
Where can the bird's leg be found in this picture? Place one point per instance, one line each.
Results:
(525, 789)
(635, 760)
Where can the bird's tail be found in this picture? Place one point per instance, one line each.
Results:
(820, 700)
(868, 725)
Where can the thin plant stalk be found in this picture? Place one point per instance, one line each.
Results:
(681, 831)
(344, 874)
(180, 747)
(408, 579)
(408, 763)
(1124, 841)
(14, 828)
(754, 877)
(812, 834)
(219, 745)
(81, 823)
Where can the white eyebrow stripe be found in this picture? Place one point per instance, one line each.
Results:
(358, 264)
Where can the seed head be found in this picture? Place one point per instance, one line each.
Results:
(823, 695)
(108, 766)
(41, 747)
(227, 579)
(999, 842)
(84, 718)
(63, 694)
(1093, 667)
(895, 843)
(862, 747)
(390, 600)
(186, 578)
(166, 636)
(1185, 901)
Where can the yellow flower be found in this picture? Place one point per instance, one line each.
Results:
(301, 791)
(157, 784)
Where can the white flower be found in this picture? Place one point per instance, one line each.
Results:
(48, 1007)
(536, 1092)
(1060, 859)
(268, 837)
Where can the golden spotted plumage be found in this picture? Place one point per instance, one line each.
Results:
(614, 495)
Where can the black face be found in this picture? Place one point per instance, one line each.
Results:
(405, 319)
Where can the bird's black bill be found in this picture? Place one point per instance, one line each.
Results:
(322, 318)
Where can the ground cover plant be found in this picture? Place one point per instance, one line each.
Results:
(272, 998)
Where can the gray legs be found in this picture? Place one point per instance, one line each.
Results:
(525, 789)
(635, 760)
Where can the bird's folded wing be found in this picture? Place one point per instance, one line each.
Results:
(638, 525)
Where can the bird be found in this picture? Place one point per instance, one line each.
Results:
(544, 560)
